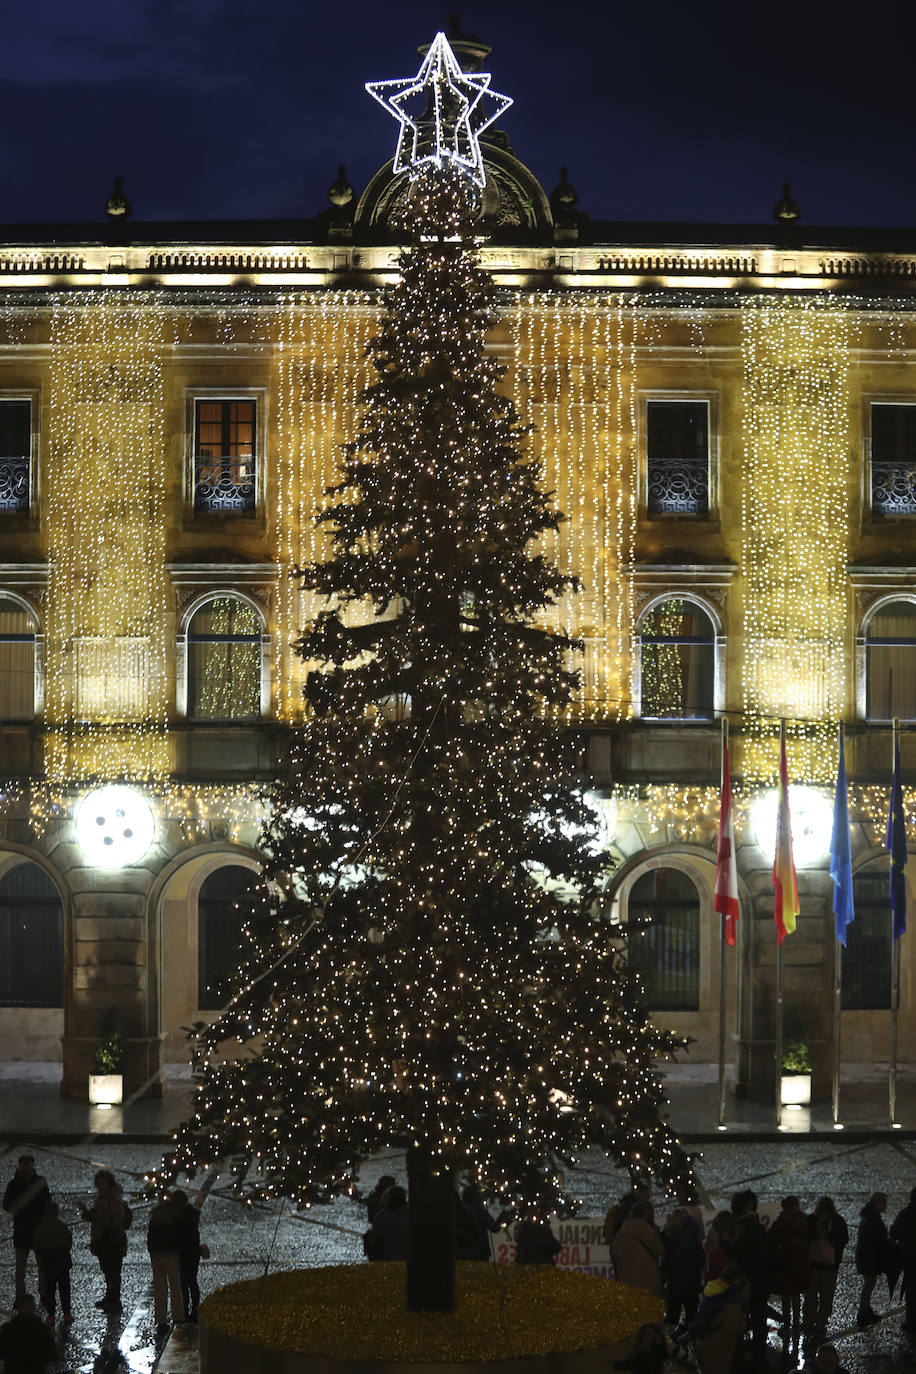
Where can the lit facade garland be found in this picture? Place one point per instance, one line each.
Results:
(104, 491)
(574, 379)
(320, 373)
(794, 521)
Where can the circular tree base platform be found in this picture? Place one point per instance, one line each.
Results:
(351, 1319)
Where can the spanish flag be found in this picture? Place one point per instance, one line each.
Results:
(785, 906)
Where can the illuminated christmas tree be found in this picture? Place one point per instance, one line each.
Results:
(429, 963)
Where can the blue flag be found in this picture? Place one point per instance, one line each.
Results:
(896, 847)
(841, 853)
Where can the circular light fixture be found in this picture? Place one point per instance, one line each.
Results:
(811, 818)
(114, 827)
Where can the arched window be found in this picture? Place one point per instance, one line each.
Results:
(665, 950)
(224, 661)
(677, 662)
(890, 662)
(867, 961)
(31, 939)
(222, 909)
(17, 661)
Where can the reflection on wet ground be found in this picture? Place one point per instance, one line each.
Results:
(246, 1241)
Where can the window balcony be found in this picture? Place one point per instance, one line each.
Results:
(224, 484)
(14, 484)
(677, 486)
(893, 489)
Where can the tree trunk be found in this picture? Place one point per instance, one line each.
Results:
(431, 1249)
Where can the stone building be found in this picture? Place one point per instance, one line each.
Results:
(727, 415)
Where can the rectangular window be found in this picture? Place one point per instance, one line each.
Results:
(15, 455)
(867, 958)
(677, 457)
(224, 455)
(893, 459)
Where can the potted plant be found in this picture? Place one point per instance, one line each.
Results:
(795, 1077)
(106, 1082)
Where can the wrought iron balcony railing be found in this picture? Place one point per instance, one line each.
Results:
(224, 484)
(14, 483)
(893, 489)
(678, 487)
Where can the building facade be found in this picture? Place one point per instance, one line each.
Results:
(727, 417)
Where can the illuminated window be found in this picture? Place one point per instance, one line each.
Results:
(867, 959)
(17, 661)
(15, 455)
(893, 459)
(224, 661)
(31, 939)
(890, 662)
(677, 457)
(222, 909)
(677, 645)
(665, 948)
(224, 455)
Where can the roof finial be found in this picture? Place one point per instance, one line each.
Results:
(785, 211)
(118, 206)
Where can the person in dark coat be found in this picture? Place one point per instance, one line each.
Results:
(376, 1198)
(684, 1262)
(903, 1235)
(189, 1252)
(790, 1233)
(535, 1243)
(828, 1236)
(107, 1235)
(483, 1219)
(163, 1241)
(754, 1256)
(26, 1344)
(872, 1253)
(53, 1241)
(720, 1244)
(25, 1199)
(389, 1230)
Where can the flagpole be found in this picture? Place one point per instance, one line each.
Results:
(782, 745)
(722, 949)
(837, 990)
(778, 1036)
(895, 976)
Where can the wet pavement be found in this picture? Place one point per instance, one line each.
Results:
(246, 1241)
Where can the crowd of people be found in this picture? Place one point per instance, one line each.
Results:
(719, 1282)
(172, 1242)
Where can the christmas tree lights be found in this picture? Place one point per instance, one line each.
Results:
(407, 979)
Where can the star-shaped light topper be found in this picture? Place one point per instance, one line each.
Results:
(451, 108)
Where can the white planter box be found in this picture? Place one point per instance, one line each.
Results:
(795, 1089)
(106, 1089)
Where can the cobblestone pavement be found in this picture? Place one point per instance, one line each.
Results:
(246, 1241)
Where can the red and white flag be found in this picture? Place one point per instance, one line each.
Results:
(725, 898)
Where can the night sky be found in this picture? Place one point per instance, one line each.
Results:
(241, 109)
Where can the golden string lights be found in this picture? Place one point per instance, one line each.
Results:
(320, 374)
(579, 360)
(794, 526)
(102, 508)
(575, 382)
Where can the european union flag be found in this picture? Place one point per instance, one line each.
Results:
(896, 847)
(841, 853)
